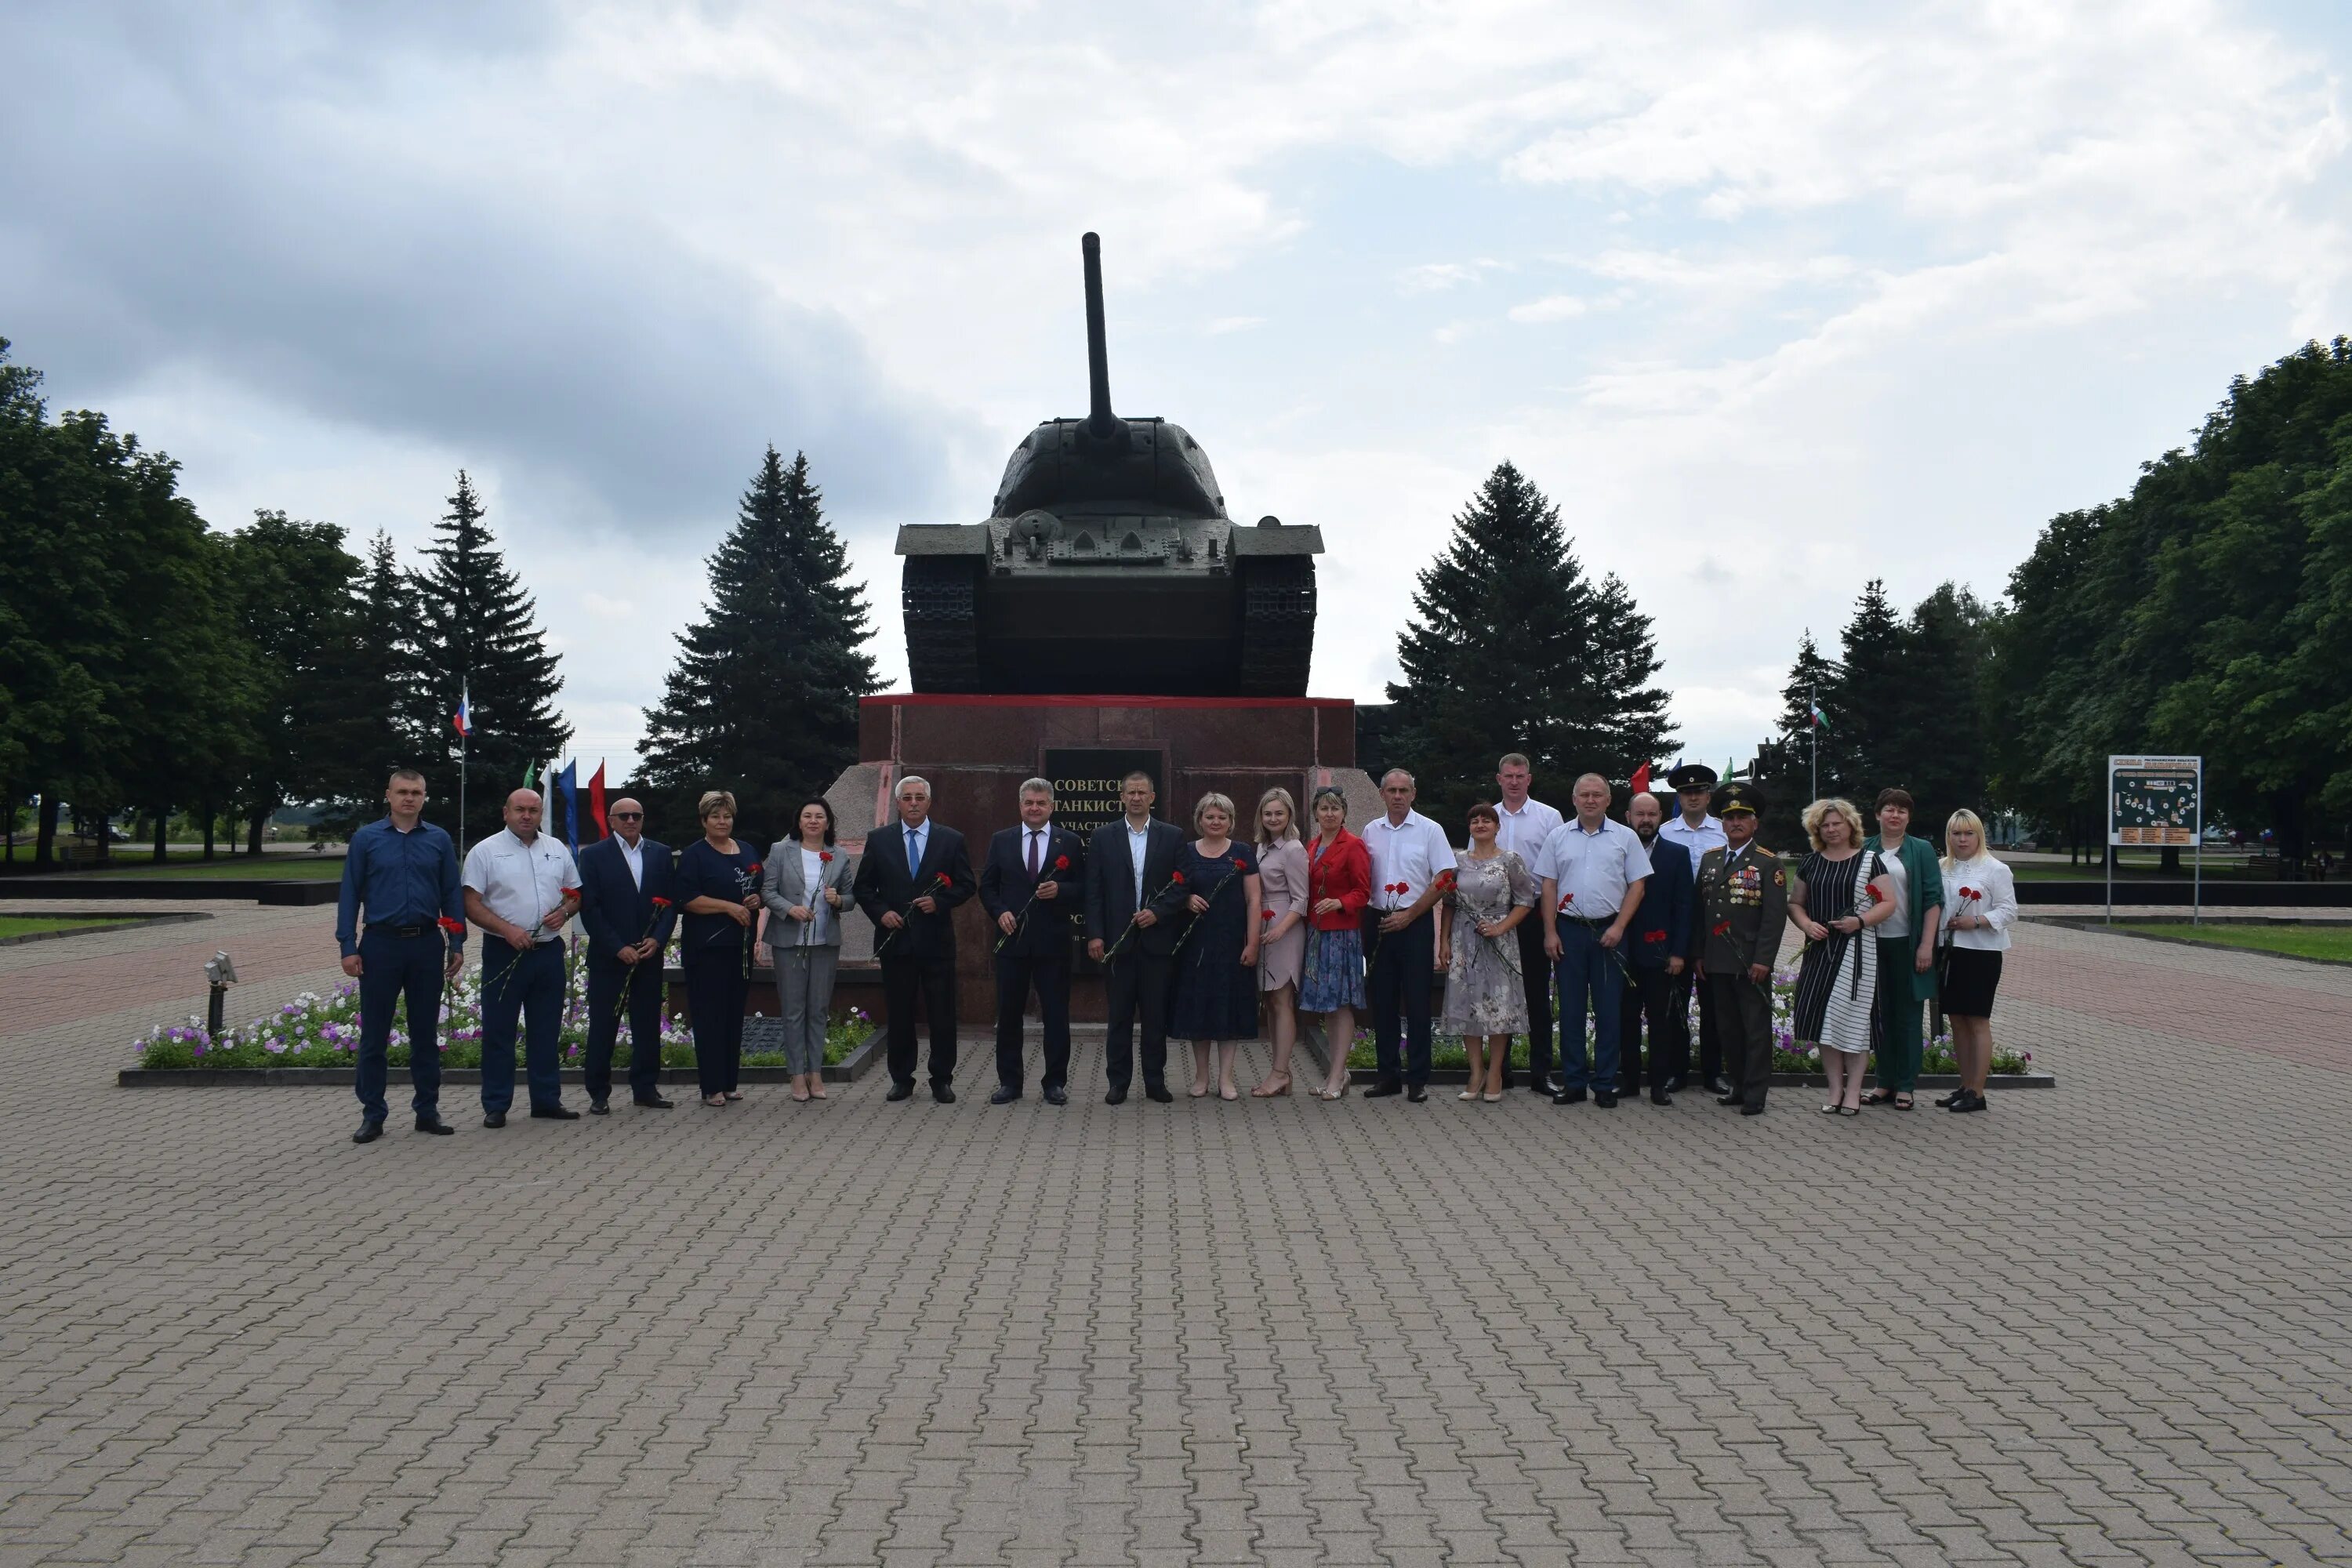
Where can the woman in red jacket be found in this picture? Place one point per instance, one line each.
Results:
(1338, 884)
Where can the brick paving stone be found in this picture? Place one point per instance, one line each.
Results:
(2102, 1324)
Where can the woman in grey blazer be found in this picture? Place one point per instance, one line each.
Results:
(803, 887)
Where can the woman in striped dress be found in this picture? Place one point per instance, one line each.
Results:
(1838, 893)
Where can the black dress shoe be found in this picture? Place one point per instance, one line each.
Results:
(656, 1103)
(1677, 1083)
(1383, 1091)
(943, 1094)
(1605, 1098)
(1733, 1098)
(1720, 1084)
(1056, 1095)
(900, 1091)
(1659, 1095)
(1003, 1096)
(494, 1118)
(1159, 1093)
(553, 1113)
(436, 1126)
(1117, 1095)
(1555, 1082)
(369, 1132)
(1967, 1099)
(1417, 1093)
(1569, 1097)
(1751, 1111)
(598, 1108)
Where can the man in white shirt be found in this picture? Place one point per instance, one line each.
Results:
(1409, 853)
(1592, 872)
(521, 888)
(1697, 831)
(1522, 826)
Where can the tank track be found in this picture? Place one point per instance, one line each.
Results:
(940, 596)
(1278, 626)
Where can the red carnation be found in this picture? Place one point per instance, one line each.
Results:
(1240, 864)
(753, 869)
(825, 858)
(1061, 862)
(571, 892)
(1722, 928)
(661, 903)
(454, 928)
(1177, 878)
(1265, 914)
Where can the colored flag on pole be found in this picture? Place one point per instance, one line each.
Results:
(1641, 783)
(464, 718)
(568, 781)
(1819, 722)
(530, 776)
(597, 801)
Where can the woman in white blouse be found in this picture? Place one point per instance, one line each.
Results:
(1980, 906)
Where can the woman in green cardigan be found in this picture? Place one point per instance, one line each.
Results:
(1906, 947)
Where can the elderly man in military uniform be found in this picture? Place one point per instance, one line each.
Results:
(1696, 829)
(1743, 902)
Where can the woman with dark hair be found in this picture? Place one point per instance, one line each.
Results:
(1485, 995)
(718, 880)
(1907, 946)
(802, 886)
(1339, 886)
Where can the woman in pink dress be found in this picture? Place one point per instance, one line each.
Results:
(1282, 872)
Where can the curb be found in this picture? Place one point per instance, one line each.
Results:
(107, 924)
(862, 1060)
(2117, 928)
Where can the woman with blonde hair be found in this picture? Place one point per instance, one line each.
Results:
(1980, 906)
(1340, 884)
(1838, 893)
(1213, 996)
(1282, 920)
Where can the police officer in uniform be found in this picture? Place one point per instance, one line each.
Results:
(1743, 902)
(1697, 830)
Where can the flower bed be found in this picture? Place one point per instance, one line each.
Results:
(1447, 1054)
(315, 1031)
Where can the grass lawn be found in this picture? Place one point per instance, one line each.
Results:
(2303, 941)
(2130, 871)
(36, 925)
(243, 867)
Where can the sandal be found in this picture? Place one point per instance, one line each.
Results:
(1849, 1111)
(1879, 1096)
(1263, 1092)
(1902, 1102)
(1327, 1093)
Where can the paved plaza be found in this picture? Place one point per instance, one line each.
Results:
(2110, 1322)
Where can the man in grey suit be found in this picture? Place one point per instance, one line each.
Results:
(1128, 865)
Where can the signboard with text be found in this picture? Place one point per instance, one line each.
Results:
(2155, 801)
(1085, 782)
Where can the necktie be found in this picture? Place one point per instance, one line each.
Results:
(1033, 855)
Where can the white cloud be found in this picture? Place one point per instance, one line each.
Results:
(1550, 308)
(1435, 277)
(1224, 325)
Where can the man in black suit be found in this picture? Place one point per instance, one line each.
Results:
(1129, 864)
(628, 898)
(1034, 883)
(912, 876)
(1657, 951)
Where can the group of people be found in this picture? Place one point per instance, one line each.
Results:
(1538, 921)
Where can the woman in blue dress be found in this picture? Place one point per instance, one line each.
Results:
(1215, 983)
(718, 883)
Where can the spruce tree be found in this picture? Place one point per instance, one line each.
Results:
(1869, 702)
(1942, 743)
(478, 634)
(763, 698)
(1513, 648)
(1812, 679)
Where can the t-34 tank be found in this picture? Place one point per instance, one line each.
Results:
(1110, 566)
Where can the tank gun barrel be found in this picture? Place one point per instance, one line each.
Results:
(1101, 423)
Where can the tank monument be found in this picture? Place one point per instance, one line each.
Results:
(1107, 614)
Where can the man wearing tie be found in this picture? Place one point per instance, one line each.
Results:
(912, 876)
(620, 880)
(1657, 947)
(1033, 884)
(1409, 853)
(1594, 872)
(1128, 865)
(1522, 823)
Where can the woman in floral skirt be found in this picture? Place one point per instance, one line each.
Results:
(1485, 995)
(1339, 886)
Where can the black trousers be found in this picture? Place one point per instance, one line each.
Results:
(715, 990)
(607, 979)
(1398, 988)
(931, 981)
(1135, 992)
(1710, 1035)
(1649, 994)
(1741, 1004)
(1534, 966)
(1016, 975)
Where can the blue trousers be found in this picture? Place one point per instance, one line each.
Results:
(607, 978)
(1586, 968)
(529, 985)
(392, 967)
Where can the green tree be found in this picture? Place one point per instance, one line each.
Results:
(1868, 702)
(295, 586)
(1513, 648)
(1941, 746)
(762, 699)
(477, 632)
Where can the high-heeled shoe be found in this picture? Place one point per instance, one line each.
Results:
(1492, 1099)
(1227, 1092)
(1263, 1092)
(1327, 1093)
(1467, 1094)
(1199, 1091)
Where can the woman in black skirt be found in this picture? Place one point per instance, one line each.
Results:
(1216, 985)
(718, 881)
(1980, 906)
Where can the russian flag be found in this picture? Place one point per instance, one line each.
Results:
(464, 718)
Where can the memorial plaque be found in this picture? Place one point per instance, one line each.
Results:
(1086, 784)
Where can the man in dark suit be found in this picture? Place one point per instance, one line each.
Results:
(628, 904)
(912, 876)
(1128, 865)
(1657, 947)
(1031, 885)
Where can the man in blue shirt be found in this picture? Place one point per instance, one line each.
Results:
(404, 871)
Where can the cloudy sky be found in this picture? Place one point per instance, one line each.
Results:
(1771, 298)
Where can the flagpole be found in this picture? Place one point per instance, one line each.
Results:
(1813, 700)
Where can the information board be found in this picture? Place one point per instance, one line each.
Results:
(2155, 801)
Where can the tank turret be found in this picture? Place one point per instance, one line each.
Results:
(1109, 565)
